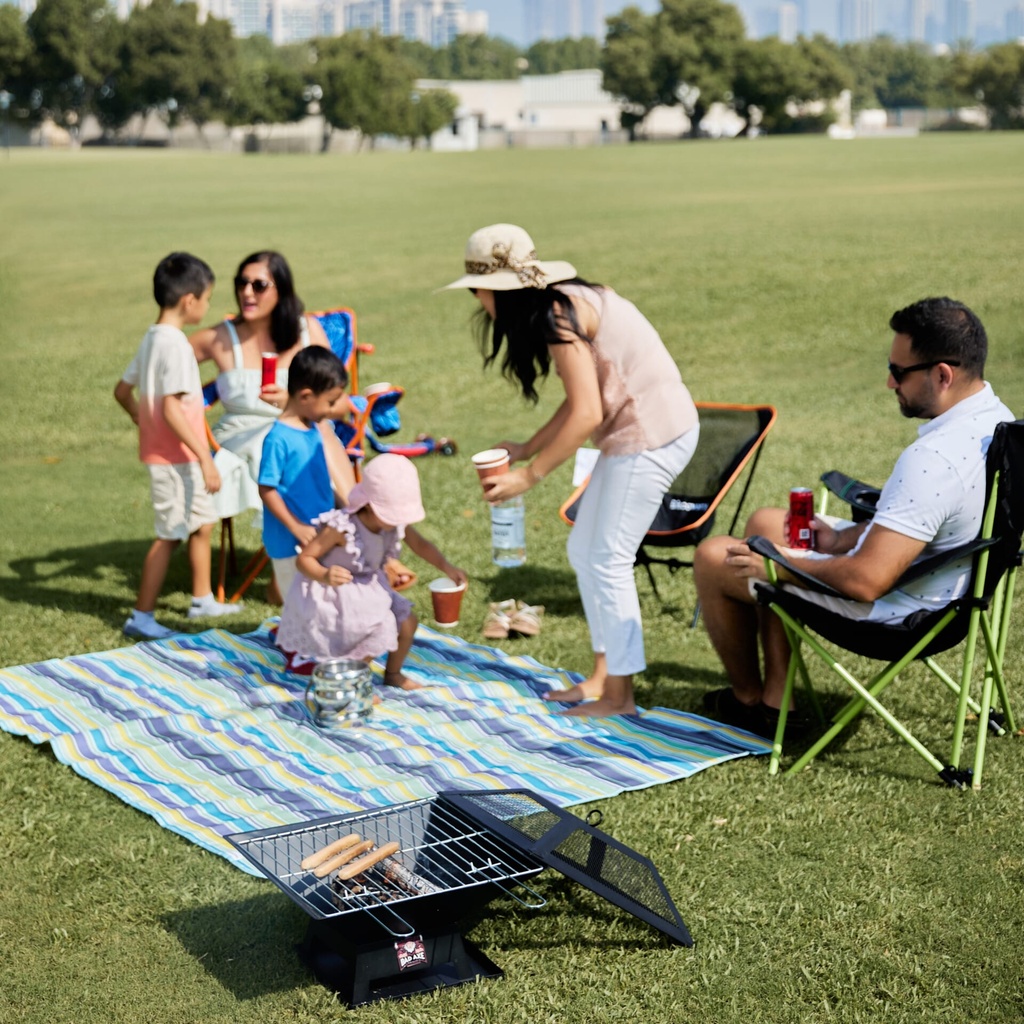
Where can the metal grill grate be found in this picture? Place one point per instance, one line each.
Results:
(439, 845)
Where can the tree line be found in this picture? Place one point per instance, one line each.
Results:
(73, 58)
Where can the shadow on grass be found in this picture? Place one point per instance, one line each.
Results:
(246, 945)
(100, 580)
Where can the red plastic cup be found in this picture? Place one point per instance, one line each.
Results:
(269, 370)
(446, 596)
(490, 463)
(801, 512)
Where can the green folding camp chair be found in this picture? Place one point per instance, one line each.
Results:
(982, 613)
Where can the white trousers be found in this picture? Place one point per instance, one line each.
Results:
(618, 506)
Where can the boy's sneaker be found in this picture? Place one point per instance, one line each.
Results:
(210, 608)
(140, 626)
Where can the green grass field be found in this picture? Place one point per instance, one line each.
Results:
(858, 891)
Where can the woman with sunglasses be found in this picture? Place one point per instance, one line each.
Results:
(270, 318)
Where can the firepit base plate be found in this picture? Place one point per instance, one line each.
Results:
(394, 969)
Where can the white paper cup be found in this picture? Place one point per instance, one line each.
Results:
(446, 596)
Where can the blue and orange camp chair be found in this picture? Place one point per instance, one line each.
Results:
(372, 416)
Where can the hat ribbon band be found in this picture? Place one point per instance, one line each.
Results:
(530, 276)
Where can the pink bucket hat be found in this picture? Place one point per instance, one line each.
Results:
(391, 487)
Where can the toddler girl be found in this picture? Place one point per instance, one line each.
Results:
(341, 605)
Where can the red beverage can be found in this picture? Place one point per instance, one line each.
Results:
(269, 378)
(801, 512)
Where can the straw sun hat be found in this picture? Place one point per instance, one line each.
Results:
(502, 258)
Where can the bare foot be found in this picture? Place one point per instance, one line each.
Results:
(587, 690)
(400, 681)
(601, 708)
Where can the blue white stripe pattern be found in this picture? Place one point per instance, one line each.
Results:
(208, 734)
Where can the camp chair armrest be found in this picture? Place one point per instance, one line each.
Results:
(765, 548)
(860, 496)
(929, 565)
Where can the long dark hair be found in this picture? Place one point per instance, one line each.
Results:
(526, 321)
(284, 317)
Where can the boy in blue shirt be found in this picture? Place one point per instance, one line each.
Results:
(295, 483)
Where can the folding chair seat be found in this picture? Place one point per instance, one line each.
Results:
(731, 437)
(982, 614)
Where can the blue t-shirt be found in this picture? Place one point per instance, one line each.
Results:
(294, 464)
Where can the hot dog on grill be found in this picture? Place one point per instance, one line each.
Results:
(316, 859)
(342, 858)
(357, 867)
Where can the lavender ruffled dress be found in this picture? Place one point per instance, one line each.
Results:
(356, 620)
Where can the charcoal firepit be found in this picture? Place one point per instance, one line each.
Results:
(385, 889)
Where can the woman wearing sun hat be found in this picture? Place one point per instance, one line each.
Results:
(623, 391)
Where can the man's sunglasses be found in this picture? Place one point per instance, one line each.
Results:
(899, 372)
(259, 284)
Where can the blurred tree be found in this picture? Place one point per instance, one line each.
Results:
(471, 58)
(995, 78)
(698, 43)
(890, 74)
(15, 46)
(549, 56)
(771, 75)
(627, 65)
(429, 111)
(73, 51)
(266, 87)
(367, 84)
(685, 53)
(172, 64)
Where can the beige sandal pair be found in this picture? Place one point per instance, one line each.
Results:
(506, 617)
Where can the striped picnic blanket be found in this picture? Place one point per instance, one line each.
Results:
(210, 735)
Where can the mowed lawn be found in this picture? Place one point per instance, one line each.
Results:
(857, 891)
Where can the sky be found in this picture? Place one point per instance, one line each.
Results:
(506, 16)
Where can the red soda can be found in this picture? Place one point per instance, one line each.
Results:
(801, 512)
(269, 378)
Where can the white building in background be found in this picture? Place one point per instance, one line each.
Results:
(561, 110)
(856, 20)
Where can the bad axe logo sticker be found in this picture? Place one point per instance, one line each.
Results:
(411, 953)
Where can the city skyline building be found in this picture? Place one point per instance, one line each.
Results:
(856, 20)
(1014, 21)
(980, 23)
(960, 21)
(562, 19)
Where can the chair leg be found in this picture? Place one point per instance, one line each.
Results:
(795, 662)
(993, 674)
(252, 569)
(866, 695)
(227, 540)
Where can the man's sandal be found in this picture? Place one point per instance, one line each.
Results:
(498, 618)
(526, 620)
(400, 577)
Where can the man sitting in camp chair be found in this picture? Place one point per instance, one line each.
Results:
(932, 502)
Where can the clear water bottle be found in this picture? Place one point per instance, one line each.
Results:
(508, 532)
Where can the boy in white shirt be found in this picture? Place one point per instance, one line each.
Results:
(172, 442)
